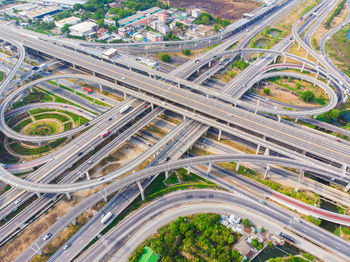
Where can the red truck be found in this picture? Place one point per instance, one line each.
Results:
(89, 90)
(105, 134)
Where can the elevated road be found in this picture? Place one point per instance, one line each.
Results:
(125, 181)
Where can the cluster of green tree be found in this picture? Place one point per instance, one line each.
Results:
(171, 36)
(241, 64)
(186, 52)
(267, 91)
(43, 27)
(334, 14)
(207, 19)
(165, 57)
(308, 96)
(255, 243)
(331, 115)
(197, 236)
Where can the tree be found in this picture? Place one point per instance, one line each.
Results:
(166, 58)
(246, 222)
(205, 20)
(167, 259)
(65, 28)
(308, 96)
(333, 114)
(186, 52)
(255, 243)
(216, 27)
(267, 91)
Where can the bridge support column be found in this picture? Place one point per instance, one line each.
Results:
(257, 149)
(329, 80)
(267, 170)
(302, 69)
(74, 222)
(298, 46)
(87, 175)
(315, 116)
(307, 53)
(237, 166)
(197, 71)
(184, 117)
(279, 118)
(267, 152)
(346, 189)
(220, 132)
(274, 59)
(69, 196)
(100, 86)
(318, 71)
(345, 98)
(209, 64)
(189, 170)
(166, 174)
(210, 165)
(124, 96)
(300, 180)
(38, 194)
(40, 143)
(142, 192)
(284, 61)
(152, 106)
(343, 169)
(296, 120)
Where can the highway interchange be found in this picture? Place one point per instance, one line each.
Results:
(149, 92)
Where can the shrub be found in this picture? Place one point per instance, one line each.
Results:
(166, 58)
(267, 91)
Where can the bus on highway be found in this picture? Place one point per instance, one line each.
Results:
(106, 217)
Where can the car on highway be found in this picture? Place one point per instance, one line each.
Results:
(296, 219)
(47, 236)
(4, 166)
(338, 140)
(18, 201)
(35, 67)
(87, 124)
(262, 202)
(89, 162)
(80, 153)
(66, 246)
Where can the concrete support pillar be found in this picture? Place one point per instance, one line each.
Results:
(267, 152)
(100, 86)
(40, 143)
(279, 118)
(237, 166)
(267, 170)
(210, 165)
(142, 192)
(152, 106)
(69, 196)
(129, 68)
(329, 80)
(285, 59)
(87, 175)
(346, 189)
(315, 116)
(124, 96)
(274, 59)
(38, 194)
(345, 98)
(343, 169)
(220, 132)
(209, 64)
(302, 69)
(166, 174)
(184, 117)
(189, 170)
(257, 150)
(74, 222)
(318, 72)
(307, 53)
(298, 46)
(296, 120)
(300, 180)
(197, 71)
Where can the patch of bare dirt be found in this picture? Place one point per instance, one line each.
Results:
(229, 9)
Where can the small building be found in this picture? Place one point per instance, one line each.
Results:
(196, 12)
(138, 37)
(122, 32)
(83, 29)
(162, 17)
(72, 20)
(108, 21)
(48, 19)
(154, 37)
(109, 53)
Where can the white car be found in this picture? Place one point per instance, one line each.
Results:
(18, 201)
(47, 236)
(297, 219)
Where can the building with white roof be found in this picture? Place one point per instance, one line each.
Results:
(83, 29)
(72, 20)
